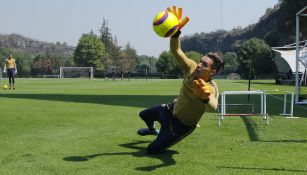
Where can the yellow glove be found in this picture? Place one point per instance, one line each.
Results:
(201, 89)
(178, 14)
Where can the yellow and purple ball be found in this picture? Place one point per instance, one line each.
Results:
(165, 24)
(5, 87)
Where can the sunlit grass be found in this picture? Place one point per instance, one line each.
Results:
(78, 126)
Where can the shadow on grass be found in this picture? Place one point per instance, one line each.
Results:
(274, 104)
(287, 141)
(263, 169)
(116, 100)
(166, 157)
(251, 128)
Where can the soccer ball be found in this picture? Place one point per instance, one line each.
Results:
(5, 87)
(165, 24)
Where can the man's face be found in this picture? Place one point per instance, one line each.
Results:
(204, 68)
(10, 55)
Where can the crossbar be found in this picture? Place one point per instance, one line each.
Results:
(233, 114)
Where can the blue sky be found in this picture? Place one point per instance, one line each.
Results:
(129, 20)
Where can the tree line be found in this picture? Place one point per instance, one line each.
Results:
(254, 56)
(91, 51)
(98, 51)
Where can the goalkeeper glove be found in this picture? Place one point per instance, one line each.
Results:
(201, 89)
(182, 22)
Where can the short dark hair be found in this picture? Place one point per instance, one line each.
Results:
(218, 63)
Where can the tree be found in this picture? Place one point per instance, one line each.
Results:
(42, 65)
(131, 56)
(105, 34)
(114, 51)
(231, 62)
(196, 56)
(166, 63)
(24, 66)
(254, 57)
(150, 62)
(124, 61)
(273, 38)
(111, 46)
(90, 51)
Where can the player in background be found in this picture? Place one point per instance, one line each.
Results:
(11, 70)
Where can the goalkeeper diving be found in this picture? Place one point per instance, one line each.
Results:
(198, 92)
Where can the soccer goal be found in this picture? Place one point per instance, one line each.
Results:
(301, 59)
(51, 76)
(77, 72)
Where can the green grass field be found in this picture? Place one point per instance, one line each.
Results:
(78, 126)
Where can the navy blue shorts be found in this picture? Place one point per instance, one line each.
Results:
(172, 130)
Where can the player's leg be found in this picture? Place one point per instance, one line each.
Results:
(10, 74)
(13, 82)
(13, 78)
(150, 115)
(172, 131)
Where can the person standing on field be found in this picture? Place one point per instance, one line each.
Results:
(129, 74)
(11, 70)
(89, 73)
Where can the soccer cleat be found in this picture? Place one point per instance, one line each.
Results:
(146, 131)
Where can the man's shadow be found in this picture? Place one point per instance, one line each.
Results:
(166, 156)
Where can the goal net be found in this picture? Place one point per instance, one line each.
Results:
(77, 72)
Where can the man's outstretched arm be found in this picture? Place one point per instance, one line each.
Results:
(182, 60)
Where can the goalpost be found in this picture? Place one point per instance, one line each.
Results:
(51, 76)
(301, 62)
(77, 72)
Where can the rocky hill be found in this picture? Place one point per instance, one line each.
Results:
(18, 43)
(276, 27)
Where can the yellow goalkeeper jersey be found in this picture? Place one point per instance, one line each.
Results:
(189, 108)
(10, 63)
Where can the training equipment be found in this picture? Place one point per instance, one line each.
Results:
(5, 87)
(290, 114)
(165, 24)
(76, 72)
(262, 105)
